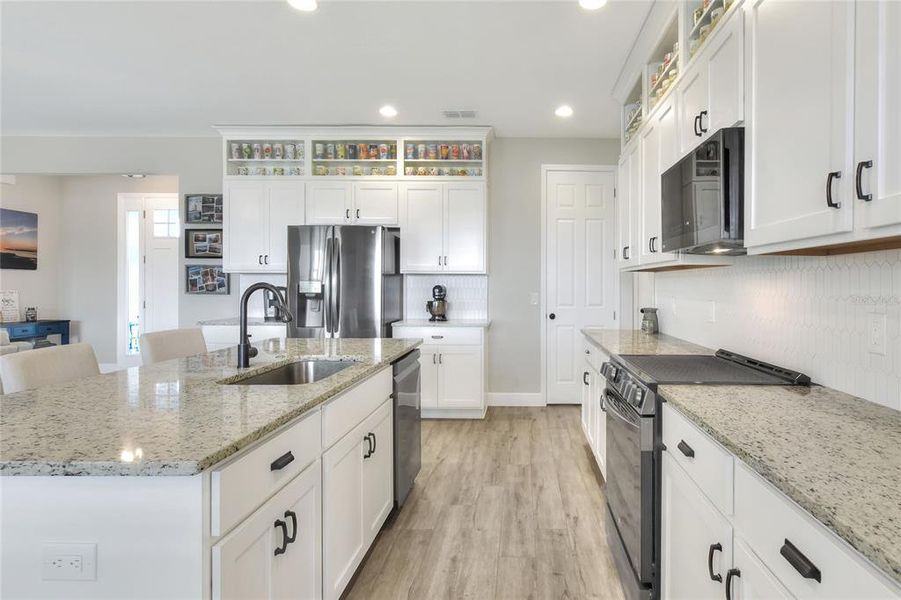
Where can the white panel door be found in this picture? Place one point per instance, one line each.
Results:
(580, 232)
(725, 74)
(285, 208)
(800, 120)
(691, 528)
(693, 102)
(161, 251)
(329, 203)
(244, 216)
(422, 227)
(460, 377)
(878, 112)
(375, 203)
(428, 376)
(245, 563)
(464, 227)
(378, 470)
(343, 538)
(751, 580)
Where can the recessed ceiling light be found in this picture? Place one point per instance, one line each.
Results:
(134, 175)
(304, 5)
(388, 111)
(564, 111)
(592, 4)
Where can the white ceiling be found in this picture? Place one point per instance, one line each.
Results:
(176, 68)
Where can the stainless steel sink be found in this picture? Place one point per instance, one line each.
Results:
(298, 373)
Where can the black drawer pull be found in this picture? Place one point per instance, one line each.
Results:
(374, 442)
(282, 461)
(585, 377)
(370, 449)
(685, 449)
(279, 524)
(290, 514)
(866, 164)
(729, 575)
(801, 563)
(713, 548)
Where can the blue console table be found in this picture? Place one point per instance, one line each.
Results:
(26, 331)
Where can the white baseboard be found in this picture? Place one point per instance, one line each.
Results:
(453, 413)
(515, 399)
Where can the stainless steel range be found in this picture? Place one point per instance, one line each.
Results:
(634, 445)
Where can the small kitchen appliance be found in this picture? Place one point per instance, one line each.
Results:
(272, 306)
(649, 323)
(438, 307)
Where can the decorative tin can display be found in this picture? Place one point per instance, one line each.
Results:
(243, 171)
(267, 151)
(391, 170)
(410, 151)
(290, 150)
(278, 170)
(246, 151)
(320, 170)
(421, 151)
(433, 171)
(257, 151)
(466, 151)
(392, 151)
(375, 171)
(296, 171)
(409, 170)
(477, 151)
(341, 171)
(455, 151)
(319, 150)
(352, 152)
(340, 151)
(363, 151)
(383, 151)
(235, 150)
(433, 151)
(357, 170)
(330, 151)
(422, 171)
(278, 151)
(373, 151)
(443, 151)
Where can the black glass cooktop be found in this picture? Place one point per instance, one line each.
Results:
(723, 368)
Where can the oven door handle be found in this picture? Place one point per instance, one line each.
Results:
(613, 409)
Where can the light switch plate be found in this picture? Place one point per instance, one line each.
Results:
(533, 298)
(876, 333)
(69, 562)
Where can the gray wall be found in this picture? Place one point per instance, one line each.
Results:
(513, 354)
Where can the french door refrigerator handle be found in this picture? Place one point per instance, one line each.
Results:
(336, 283)
(327, 286)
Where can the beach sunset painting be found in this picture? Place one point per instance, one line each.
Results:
(18, 240)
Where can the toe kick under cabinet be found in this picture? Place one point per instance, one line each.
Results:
(452, 370)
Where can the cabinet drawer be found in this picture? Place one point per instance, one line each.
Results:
(49, 329)
(767, 519)
(441, 335)
(594, 355)
(711, 466)
(243, 484)
(21, 330)
(349, 409)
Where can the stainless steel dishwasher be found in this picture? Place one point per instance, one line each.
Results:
(407, 426)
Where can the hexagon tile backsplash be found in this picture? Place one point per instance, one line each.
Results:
(811, 314)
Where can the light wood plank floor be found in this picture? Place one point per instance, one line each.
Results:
(508, 507)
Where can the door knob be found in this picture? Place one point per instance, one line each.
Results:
(552, 316)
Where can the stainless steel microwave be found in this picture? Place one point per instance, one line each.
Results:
(702, 203)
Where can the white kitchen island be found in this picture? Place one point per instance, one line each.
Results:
(177, 481)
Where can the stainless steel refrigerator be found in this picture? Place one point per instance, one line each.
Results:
(344, 281)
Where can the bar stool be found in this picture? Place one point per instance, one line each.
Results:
(172, 343)
(46, 366)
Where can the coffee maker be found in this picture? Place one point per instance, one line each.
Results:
(438, 307)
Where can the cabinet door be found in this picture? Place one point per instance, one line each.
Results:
(460, 377)
(629, 199)
(693, 100)
(328, 203)
(752, 580)
(285, 207)
(428, 376)
(375, 203)
(800, 119)
(600, 421)
(464, 227)
(422, 227)
(667, 122)
(378, 471)
(691, 525)
(877, 127)
(657, 146)
(342, 511)
(725, 73)
(244, 563)
(244, 215)
(586, 404)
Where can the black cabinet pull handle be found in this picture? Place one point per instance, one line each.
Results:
(266, 258)
(260, 257)
(282, 461)
(279, 524)
(864, 164)
(347, 213)
(686, 449)
(701, 121)
(713, 548)
(697, 125)
(375, 442)
(801, 563)
(358, 213)
(626, 252)
(729, 575)
(829, 178)
(290, 514)
(585, 377)
(369, 449)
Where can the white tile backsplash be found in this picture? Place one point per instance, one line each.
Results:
(467, 295)
(811, 314)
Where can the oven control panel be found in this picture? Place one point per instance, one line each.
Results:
(628, 387)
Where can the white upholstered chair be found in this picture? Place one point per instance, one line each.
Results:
(46, 366)
(8, 347)
(173, 343)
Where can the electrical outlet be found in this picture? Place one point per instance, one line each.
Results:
(533, 298)
(876, 333)
(69, 562)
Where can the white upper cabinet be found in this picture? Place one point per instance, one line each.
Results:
(375, 203)
(345, 203)
(657, 150)
(256, 215)
(443, 227)
(628, 205)
(692, 107)
(329, 202)
(877, 144)
(800, 125)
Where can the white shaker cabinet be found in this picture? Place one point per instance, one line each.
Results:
(345, 203)
(443, 227)
(800, 121)
(329, 202)
(375, 203)
(460, 377)
(658, 140)
(877, 144)
(256, 215)
(378, 471)
(274, 553)
(628, 205)
(749, 579)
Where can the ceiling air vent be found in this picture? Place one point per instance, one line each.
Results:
(459, 114)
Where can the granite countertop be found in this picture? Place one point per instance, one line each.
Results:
(484, 323)
(234, 322)
(175, 417)
(634, 341)
(837, 456)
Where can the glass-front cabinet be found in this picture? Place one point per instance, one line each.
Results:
(354, 157)
(258, 157)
